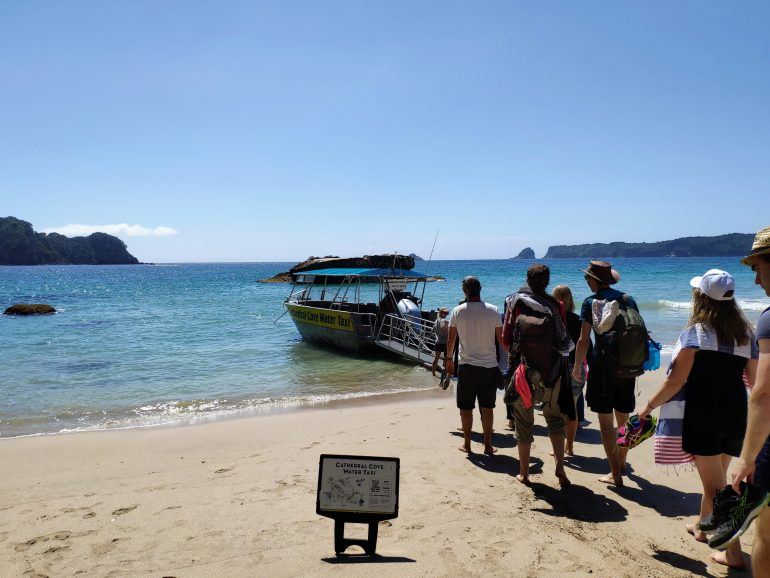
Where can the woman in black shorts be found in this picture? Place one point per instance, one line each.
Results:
(709, 360)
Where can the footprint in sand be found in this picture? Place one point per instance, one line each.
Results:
(224, 470)
(89, 515)
(106, 548)
(3, 536)
(31, 542)
(54, 549)
(126, 510)
(33, 574)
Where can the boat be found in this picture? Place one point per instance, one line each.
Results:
(364, 309)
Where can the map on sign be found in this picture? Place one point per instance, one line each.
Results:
(358, 485)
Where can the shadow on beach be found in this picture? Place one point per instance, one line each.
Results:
(695, 567)
(578, 503)
(499, 440)
(665, 500)
(362, 558)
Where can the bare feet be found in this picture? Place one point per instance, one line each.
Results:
(610, 481)
(697, 534)
(523, 479)
(489, 450)
(569, 451)
(563, 479)
(465, 449)
(725, 559)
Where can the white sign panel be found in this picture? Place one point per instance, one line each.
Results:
(397, 284)
(352, 484)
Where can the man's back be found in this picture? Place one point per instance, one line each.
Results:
(476, 322)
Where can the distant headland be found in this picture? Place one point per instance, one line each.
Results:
(21, 245)
(733, 244)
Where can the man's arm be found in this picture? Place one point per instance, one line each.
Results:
(581, 350)
(450, 349)
(758, 425)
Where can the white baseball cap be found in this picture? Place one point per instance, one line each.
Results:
(717, 284)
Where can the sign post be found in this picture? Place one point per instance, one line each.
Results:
(357, 489)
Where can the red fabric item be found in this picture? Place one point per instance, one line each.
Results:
(522, 386)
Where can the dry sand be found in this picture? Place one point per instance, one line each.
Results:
(237, 498)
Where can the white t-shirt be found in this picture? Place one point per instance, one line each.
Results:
(476, 322)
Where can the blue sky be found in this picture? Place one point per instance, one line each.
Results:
(253, 131)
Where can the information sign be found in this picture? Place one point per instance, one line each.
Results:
(362, 489)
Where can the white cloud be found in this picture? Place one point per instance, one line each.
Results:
(119, 230)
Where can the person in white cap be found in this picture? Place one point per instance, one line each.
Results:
(709, 359)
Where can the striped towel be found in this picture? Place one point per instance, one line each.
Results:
(668, 436)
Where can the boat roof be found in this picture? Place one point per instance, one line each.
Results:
(363, 272)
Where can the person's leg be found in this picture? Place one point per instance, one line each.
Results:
(620, 419)
(487, 423)
(572, 427)
(466, 402)
(609, 440)
(436, 355)
(760, 554)
(466, 419)
(713, 475)
(556, 429)
(487, 395)
(525, 419)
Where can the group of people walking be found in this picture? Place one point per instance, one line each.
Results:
(705, 413)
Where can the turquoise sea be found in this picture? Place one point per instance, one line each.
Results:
(156, 344)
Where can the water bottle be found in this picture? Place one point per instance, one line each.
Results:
(653, 359)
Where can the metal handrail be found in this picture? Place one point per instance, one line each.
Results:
(408, 333)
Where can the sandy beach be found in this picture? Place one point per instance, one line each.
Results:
(237, 498)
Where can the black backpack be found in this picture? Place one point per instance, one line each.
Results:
(625, 345)
(535, 342)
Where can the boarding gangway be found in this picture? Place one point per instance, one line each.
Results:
(410, 337)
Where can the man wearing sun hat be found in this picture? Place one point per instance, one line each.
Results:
(754, 462)
(606, 394)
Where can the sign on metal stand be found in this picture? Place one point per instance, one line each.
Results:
(359, 490)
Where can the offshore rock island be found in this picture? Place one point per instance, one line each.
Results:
(21, 245)
(733, 244)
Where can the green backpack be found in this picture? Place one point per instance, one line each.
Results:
(625, 345)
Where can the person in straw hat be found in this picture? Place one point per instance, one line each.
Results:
(754, 462)
(605, 393)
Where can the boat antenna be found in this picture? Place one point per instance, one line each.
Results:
(430, 258)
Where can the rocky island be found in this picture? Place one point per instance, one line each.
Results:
(730, 245)
(21, 245)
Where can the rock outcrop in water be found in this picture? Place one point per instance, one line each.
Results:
(21, 245)
(527, 253)
(29, 309)
(734, 244)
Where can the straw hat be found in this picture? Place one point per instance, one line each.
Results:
(761, 245)
(603, 272)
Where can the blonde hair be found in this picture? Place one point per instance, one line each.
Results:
(564, 294)
(724, 318)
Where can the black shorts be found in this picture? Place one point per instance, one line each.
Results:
(440, 348)
(707, 433)
(605, 392)
(762, 473)
(476, 382)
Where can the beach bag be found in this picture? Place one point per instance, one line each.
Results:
(626, 344)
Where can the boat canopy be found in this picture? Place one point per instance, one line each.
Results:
(362, 272)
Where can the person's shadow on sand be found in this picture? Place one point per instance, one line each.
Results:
(667, 501)
(695, 567)
(499, 440)
(578, 503)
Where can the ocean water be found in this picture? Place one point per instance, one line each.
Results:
(146, 345)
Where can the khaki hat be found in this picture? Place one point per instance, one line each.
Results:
(603, 272)
(761, 245)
